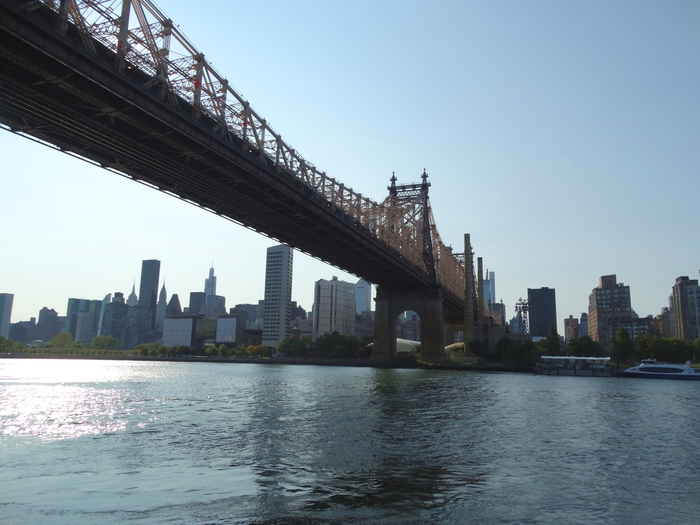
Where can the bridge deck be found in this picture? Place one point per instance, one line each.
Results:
(53, 89)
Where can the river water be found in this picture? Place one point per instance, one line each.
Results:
(104, 442)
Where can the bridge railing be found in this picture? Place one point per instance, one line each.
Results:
(142, 36)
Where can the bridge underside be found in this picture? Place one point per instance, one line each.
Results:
(53, 89)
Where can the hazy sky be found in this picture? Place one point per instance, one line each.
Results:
(563, 136)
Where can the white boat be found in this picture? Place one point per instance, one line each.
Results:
(652, 369)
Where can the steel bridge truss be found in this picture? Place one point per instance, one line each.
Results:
(142, 37)
(411, 229)
(522, 309)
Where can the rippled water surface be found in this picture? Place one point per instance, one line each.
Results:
(129, 442)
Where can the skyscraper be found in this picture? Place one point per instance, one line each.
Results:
(138, 326)
(216, 306)
(148, 289)
(277, 313)
(334, 307)
(686, 308)
(174, 307)
(88, 321)
(48, 324)
(409, 327)
(198, 301)
(83, 319)
(251, 312)
(161, 309)
(72, 309)
(363, 296)
(571, 328)
(498, 312)
(241, 314)
(583, 325)
(490, 290)
(210, 283)
(132, 300)
(542, 315)
(6, 300)
(23, 331)
(114, 322)
(609, 306)
(105, 302)
(673, 329)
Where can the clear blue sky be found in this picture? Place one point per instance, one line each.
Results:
(564, 136)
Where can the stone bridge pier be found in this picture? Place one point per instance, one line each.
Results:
(389, 305)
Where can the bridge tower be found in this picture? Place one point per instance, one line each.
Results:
(410, 222)
(521, 314)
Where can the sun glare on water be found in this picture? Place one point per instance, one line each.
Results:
(51, 399)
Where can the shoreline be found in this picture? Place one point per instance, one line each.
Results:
(357, 363)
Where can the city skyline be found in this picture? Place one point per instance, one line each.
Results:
(563, 138)
(488, 288)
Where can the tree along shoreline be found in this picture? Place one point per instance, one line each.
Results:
(335, 349)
